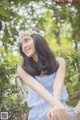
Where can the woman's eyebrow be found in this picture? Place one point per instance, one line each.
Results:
(21, 42)
(27, 38)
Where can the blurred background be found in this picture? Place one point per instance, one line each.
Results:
(61, 25)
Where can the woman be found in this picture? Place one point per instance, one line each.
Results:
(44, 75)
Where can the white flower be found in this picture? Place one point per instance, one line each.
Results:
(41, 33)
(30, 32)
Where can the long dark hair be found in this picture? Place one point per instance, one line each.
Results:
(46, 59)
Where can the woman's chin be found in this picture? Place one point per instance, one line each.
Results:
(29, 55)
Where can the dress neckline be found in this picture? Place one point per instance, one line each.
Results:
(44, 75)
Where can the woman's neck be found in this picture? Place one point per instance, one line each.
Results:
(43, 73)
(35, 57)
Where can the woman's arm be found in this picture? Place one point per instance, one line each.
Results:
(57, 87)
(59, 79)
(38, 88)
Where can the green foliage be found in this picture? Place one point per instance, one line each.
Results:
(58, 22)
(8, 66)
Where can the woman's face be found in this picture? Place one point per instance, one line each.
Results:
(28, 47)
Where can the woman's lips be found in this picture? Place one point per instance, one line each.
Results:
(28, 49)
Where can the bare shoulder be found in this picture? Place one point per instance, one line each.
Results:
(60, 59)
(22, 72)
(19, 69)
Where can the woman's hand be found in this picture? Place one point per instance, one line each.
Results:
(58, 112)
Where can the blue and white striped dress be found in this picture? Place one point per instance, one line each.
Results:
(40, 107)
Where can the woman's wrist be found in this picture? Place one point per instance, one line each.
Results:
(57, 99)
(56, 102)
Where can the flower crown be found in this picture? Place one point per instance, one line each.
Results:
(30, 32)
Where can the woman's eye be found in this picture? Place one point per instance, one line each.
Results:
(27, 40)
